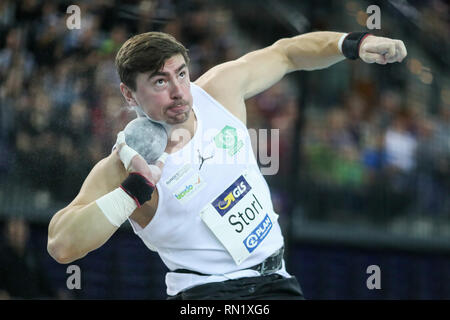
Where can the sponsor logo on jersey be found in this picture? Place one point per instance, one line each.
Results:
(228, 139)
(192, 187)
(258, 234)
(180, 174)
(231, 196)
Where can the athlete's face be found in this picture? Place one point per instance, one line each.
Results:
(164, 95)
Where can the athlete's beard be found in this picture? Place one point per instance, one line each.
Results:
(181, 117)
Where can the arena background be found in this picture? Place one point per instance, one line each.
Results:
(364, 149)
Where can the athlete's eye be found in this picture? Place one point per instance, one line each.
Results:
(160, 82)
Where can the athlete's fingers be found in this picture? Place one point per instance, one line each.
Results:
(389, 50)
(161, 160)
(373, 58)
(386, 47)
(401, 50)
(155, 173)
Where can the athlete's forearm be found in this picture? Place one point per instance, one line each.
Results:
(311, 51)
(77, 230)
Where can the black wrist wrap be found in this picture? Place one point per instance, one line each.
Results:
(351, 43)
(138, 187)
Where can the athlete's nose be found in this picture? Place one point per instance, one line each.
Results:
(176, 92)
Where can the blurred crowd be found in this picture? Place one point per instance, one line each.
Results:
(22, 275)
(381, 160)
(61, 106)
(61, 109)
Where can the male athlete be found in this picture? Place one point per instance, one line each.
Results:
(204, 206)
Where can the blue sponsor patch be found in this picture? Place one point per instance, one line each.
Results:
(254, 239)
(232, 195)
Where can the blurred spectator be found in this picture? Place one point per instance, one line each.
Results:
(400, 145)
(433, 160)
(21, 275)
(338, 130)
(374, 155)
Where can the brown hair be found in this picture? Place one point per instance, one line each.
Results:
(146, 52)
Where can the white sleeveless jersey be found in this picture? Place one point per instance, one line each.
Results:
(214, 214)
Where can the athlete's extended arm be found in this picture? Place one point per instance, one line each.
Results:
(260, 69)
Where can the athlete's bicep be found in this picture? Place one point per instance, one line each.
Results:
(248, 75)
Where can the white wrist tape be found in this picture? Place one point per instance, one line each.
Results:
(117, 206)
(126, 153)
(163, 157)
(341, 40)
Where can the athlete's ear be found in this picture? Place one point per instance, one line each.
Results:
(128, 94)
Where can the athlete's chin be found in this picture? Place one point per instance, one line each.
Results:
(179, 118)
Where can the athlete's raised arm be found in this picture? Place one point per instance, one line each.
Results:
(260, 69)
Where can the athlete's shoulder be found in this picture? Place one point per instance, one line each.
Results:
(222, 79)
(222, 92)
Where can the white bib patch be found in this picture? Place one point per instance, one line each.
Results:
(241, 217)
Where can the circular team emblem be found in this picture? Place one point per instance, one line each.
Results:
(227, 138)
(252, 241)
